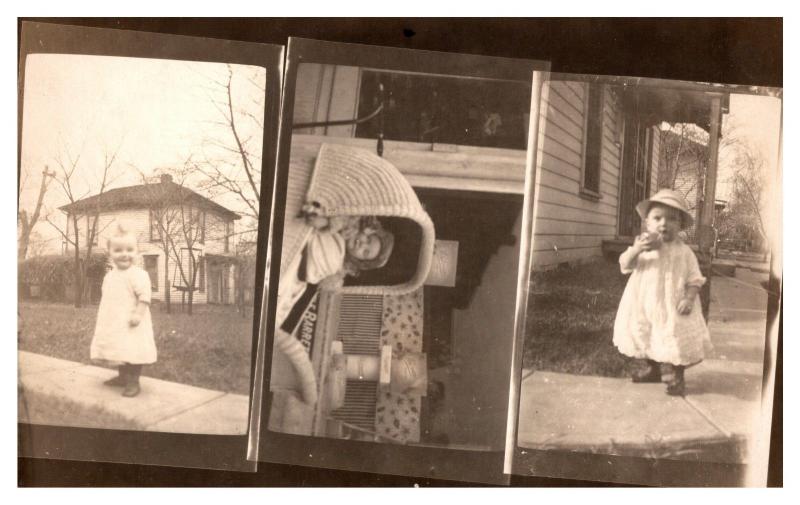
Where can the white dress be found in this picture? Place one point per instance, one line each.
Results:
(648, 324)
(325, 252)
(115, 340)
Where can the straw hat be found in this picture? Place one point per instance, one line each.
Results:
(670, 198)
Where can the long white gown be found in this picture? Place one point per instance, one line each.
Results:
(648, 324)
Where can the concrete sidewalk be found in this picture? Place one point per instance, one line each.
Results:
(49, 386)
(713, 422)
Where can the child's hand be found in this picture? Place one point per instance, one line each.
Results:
(135, 319)
(310, 208)
(316, 221)
(643, 242)
(685, 306)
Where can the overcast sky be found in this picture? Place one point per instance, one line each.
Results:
(157, 113)
(757, 121)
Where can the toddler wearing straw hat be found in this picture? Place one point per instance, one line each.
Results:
(660, 317)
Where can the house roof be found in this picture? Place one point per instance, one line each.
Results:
(145, 196)
(673, 105)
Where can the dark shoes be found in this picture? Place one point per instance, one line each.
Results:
(128, 378)
(131, 390)
(117, 381)
(676, 385)
(132, 383)
(650, 374)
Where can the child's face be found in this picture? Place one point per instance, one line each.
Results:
(364, 245)
(665, 221)
(122, 251)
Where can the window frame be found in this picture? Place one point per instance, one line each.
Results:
(94, 239)
(595, 128)
(228, 232)
(154, 237)
(153, 278)
(201, 222)
(430, 145)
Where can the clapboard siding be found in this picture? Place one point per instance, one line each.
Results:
(564, 183)
(327, 93)
(556, 212)
(570, 227)
(307, 95)
(556, 227)
(546, 241)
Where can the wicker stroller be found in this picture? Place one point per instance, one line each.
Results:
(343, 181)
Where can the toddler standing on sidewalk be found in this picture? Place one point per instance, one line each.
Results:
(123, 335)
(659, 317)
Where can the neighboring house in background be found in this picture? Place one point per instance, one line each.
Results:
(600, 153)
(691, 168)
(134, 206)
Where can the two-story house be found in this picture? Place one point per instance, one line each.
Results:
(181, 234)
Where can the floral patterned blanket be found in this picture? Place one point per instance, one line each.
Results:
(396, 414)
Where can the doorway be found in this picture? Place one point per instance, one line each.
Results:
(218, 282)
(635, 176)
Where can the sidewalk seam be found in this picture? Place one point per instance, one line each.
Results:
(707, 417)
(187, 409)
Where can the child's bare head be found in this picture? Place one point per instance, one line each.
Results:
(122, 246)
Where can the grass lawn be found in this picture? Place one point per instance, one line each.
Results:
(210, 349)
(571, 321)
(39, 408)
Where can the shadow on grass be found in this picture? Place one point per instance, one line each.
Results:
(570, 324)
(209, 349)
(40, 408)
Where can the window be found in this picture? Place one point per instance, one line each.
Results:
(593, 140)
(445, 110)
(201, 273)
(155, 230)
(228, 232)
(201, 223)
(92, 226)
(151, 267)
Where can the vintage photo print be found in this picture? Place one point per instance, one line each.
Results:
(650, 338)
(396, 256)
(140, 186)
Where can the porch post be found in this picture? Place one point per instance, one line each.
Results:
(705, 229)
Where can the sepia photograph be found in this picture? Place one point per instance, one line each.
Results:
(399, 252)
(399, 256)
(655, 234)
(139, 201)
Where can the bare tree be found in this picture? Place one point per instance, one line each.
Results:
(245, 251)
(180, 226)
(37, 245)
(163, 223)
(231, 163)
(26, 221)
(66, 179)
(747, 182)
